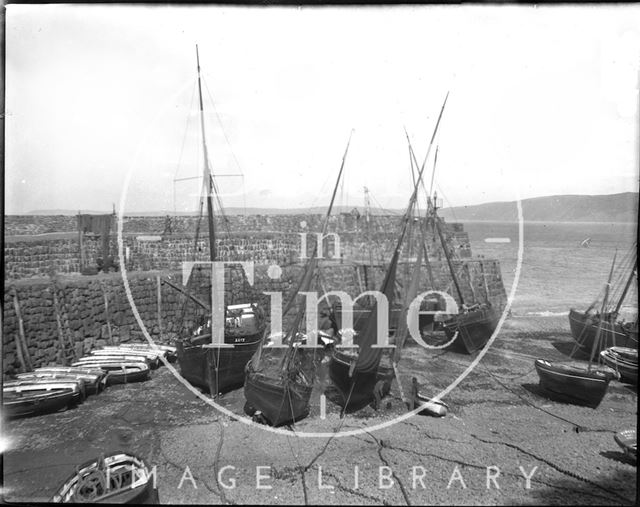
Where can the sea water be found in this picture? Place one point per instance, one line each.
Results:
(557, 272)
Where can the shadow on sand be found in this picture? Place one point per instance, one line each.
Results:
(614, 489)
(570, 349)
(618, 456)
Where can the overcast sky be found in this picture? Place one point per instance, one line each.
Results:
(543, 101)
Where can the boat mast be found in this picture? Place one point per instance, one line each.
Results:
(624, 292)
(206, 172)
(602, 310)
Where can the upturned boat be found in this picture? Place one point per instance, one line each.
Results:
(21, 398)
(119, 372)
(119, 478)
(95, 378)
(89, 383)
(128, 355)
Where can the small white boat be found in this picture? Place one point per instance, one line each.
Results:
(120, 372)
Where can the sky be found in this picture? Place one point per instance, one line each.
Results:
(102, 100)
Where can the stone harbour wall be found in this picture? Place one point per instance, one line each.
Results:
(276, 240)
(64, 317)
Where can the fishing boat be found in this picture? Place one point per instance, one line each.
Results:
(470, 329)
(279, 381)
(357, 373)
(578, 383)
(214, 368)
(116, 479)
(119, 372)
(20, 398)
(628, 441)
(575, 383)
(623, 360)
(615, 330)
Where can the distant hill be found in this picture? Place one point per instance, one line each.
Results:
(229, 211)
(557, 208)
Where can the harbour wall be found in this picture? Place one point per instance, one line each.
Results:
(49, 245)
(59, 318)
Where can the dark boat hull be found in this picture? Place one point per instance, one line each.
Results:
(474, 329)
(217, 370)
(584, 328)
(36, 404)
(279, 403)
(357, 391)
(574, 384)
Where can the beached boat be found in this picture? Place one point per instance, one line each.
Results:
(578, 383)
(575, 383)
(279, 381)
(118, 478)
(357, 374)
(119, 372)
(624, 360)
(150, 358)
(628, 441)
(169, 352)
(203, 364)
(614, 329)
(22, 398)
(89, 383)
(95, 378)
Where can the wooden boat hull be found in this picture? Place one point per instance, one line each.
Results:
(119, 372)
(357, 391)
(89, 384)
(21, 404)
(584, 328)
(169, 352)
(118, 478)
(574, 384)
(279, 403)
(474, 329)
(623, 362)
(628, 441)
(87, 374)
(152, 361)
(217, 370)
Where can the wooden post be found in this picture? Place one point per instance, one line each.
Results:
(62, 356)
(21, 340)
(106, 312)
(159, 300)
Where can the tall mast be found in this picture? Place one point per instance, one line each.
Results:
(436, 220)
(433, 216)
(206, 172)
(624, 292)
(596, 342)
